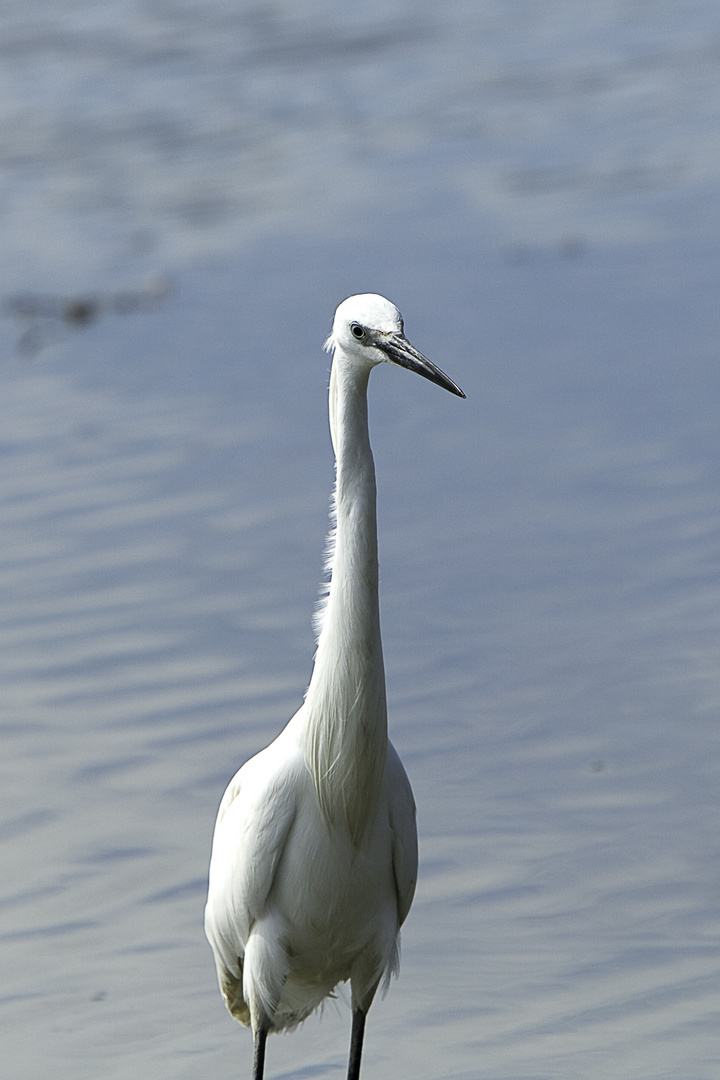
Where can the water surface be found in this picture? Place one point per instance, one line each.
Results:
(537, 190)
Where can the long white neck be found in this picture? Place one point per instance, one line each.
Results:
(346, 712)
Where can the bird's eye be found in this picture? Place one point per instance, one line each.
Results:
(357, 331)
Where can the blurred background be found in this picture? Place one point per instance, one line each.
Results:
(187, 190)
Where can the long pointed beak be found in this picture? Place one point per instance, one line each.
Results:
(399, 351)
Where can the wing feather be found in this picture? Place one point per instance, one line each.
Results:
(254, 820)
(404, 833)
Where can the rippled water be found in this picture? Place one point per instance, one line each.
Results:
(536, 186)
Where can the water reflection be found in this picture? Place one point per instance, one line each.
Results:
(46, 317)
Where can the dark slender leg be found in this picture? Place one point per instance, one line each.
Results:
(260, 1037)
(356, 1043)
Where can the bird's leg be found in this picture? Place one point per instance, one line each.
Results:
(356, 1044)
(260, 1038)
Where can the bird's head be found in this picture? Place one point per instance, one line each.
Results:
(368, 329)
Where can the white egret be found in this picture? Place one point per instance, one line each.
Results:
(314, 858)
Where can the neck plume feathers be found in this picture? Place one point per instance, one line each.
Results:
(345, 702)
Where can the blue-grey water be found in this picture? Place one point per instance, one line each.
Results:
(186, 193)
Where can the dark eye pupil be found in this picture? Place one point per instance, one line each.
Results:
(357, 330)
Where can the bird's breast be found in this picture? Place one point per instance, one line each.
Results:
(332, 895)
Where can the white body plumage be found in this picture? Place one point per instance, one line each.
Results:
(314, 858)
